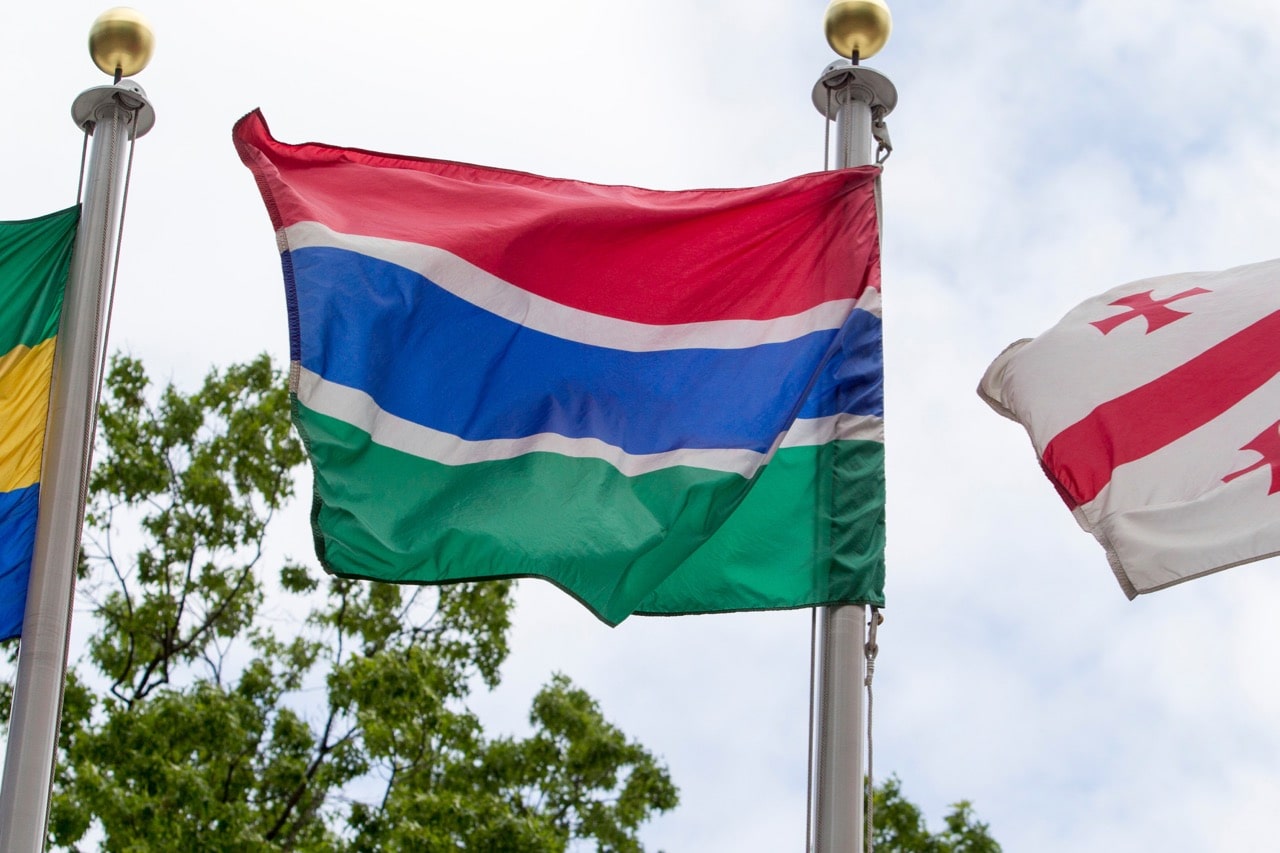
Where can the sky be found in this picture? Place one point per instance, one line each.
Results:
(1044, 152)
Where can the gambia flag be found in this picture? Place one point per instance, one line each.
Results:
(35, 256)
(662, 402)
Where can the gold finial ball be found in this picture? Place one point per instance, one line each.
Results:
(858, 25)
(121, 41)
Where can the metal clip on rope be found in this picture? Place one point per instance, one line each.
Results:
(873, 648)
(880, 131)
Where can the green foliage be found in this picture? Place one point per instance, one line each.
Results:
(200, 719)
(899, 826)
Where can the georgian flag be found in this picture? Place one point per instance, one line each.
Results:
(1155, 411)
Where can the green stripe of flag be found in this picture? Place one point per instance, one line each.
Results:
(609, 540)
(810, 532)
(35, 256)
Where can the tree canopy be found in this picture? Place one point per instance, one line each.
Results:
(205, 715)
(898, 826)
(226, 703)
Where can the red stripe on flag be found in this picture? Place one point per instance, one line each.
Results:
(1080, 459)
(642, 255)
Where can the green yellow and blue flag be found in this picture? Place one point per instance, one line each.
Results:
(35, 257)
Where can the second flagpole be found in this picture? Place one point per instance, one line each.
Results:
(856, 98)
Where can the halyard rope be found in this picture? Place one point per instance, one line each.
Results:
(872, 649)
(826, 138)
(115, 264)
(84, 152)
(808, 793)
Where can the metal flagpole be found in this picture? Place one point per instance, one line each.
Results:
(856, 98)
(120, 43)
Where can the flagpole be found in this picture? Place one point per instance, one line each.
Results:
(120, 43)
(855, 97)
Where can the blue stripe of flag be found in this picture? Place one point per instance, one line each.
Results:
(17, 540)
(437, 360)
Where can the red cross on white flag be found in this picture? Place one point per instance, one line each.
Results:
(1156, 312)
(1162, 435)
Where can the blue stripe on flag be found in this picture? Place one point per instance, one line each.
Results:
(17, 540)
(371, 325)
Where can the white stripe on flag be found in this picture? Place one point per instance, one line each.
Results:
(498, 297)
(362, 411)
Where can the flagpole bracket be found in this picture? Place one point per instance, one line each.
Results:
(842, 81)
(93, 104)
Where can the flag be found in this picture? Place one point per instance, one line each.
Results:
(35, 256)
(1155, 410)
(662, 402)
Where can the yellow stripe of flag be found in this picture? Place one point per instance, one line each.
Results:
(25, 374)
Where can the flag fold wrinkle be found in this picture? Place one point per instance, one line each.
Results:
(664, 402)
(35, 258)
(1155, 411)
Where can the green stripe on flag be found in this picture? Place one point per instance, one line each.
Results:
(607, 539)
(810, 532)
(35, 256)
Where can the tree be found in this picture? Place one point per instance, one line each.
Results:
(899, 826)
(202, 718)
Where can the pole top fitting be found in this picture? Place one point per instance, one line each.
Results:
(126, 97)
(857, 29)
(842, 82)
(121, 42)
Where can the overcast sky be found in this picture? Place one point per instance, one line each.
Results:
(1043, 152)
